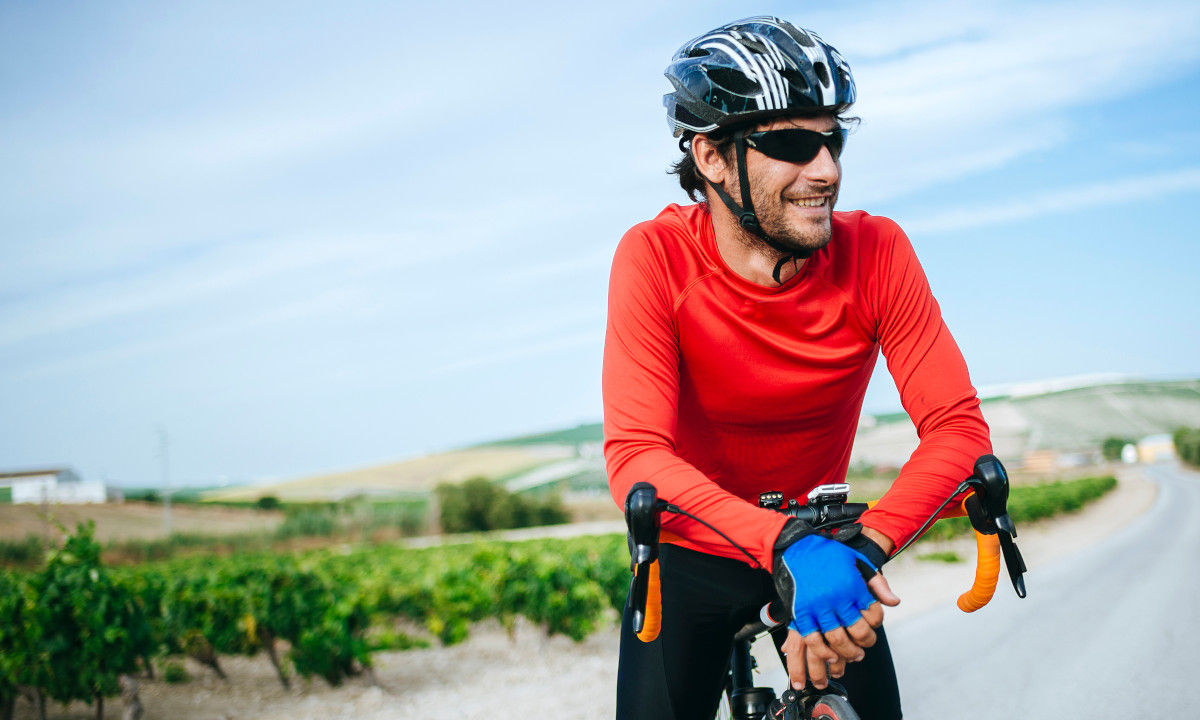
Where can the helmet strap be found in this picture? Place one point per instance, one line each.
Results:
(744, 213)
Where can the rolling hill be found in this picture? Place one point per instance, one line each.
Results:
(1054, 415)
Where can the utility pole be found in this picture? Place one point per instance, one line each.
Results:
(163, 442)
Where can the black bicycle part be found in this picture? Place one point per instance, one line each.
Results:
(810, 703)
(987, 508)
(643, 518)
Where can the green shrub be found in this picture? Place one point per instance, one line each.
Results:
(1112, 446)
(174, 672)
(21, 553)
(948, 556)
(145, 495)
(1027, 503)
(408, 516)
(308, 522)
(268, 502)
(1187, 445)
(478, 505)
(89, 629)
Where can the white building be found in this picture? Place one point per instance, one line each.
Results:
(52, 485)
(1156, 448)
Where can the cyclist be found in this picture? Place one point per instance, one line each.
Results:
(742, 333)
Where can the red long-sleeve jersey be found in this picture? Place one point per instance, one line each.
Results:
(717, 389)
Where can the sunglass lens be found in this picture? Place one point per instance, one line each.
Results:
(798, 145)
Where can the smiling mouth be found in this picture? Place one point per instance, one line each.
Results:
(811, 202)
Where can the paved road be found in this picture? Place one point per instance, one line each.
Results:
(1113, 631)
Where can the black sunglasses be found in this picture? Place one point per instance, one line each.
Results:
(797, 145)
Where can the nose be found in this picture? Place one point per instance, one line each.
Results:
(823, 169)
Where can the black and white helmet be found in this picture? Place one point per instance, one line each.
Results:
(752, 69)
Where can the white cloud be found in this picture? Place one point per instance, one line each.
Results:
(326, 303)
(264, 264)
(1078, 198)
(992, 84)
(549, 345)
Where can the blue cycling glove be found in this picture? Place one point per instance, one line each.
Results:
(821, 581)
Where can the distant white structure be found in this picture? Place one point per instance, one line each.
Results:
(1041, 387)
(1156, 448)
(52, 485)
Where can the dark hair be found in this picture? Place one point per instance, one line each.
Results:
(690, 179)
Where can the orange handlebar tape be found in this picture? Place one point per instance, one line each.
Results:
(987, 570)
(653, 623)
(959, 510)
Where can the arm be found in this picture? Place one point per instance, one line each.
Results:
(935, 389)
(641, 392)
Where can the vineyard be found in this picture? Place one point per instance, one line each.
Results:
(74, 627)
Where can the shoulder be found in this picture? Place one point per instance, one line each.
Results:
(876, 241)
(669, 247)
(862, 228)
(675, 227)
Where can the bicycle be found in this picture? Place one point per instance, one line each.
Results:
(826, 509)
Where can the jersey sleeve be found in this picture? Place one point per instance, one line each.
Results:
(935, 389)
(641, 393)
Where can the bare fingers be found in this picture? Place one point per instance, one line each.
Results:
(861, 631)
(878, 585)
(873, 615)
(818, 654)
(794, 652)
(845, 645)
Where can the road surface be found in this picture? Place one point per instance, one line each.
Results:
(1112, 631)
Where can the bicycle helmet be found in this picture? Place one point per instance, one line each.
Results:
(745, 72)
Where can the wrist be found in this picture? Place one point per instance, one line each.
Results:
(883, 541)
(860, 539)
(792, 530)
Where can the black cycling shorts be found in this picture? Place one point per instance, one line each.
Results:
(705, 600)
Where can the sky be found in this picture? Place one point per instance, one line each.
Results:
(304, 236)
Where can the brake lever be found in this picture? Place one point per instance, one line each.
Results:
(1014, 563)
(644, 522)
(987, 509)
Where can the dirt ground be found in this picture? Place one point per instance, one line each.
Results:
(531, 675)
(133, 520)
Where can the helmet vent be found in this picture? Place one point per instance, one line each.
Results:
(733, 81)
(795, 78)
(822, 72)
(753, 44)
(698, 52)
(803, 38)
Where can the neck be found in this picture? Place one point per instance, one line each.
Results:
(747, 254)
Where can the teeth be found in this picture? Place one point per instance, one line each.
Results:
(810, 202)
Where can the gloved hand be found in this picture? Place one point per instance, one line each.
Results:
(822, 582)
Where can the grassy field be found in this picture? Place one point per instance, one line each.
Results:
(133, 520)
(587, 433)
(418, 475)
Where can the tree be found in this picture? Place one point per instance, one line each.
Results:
(89, 628)
(1187, 445)
(1112, 446)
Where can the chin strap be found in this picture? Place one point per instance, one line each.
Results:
(745, 212)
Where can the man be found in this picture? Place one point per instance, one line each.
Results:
(742, 333)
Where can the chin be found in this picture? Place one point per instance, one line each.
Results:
(808, 242)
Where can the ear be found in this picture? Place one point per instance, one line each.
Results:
(709, 160)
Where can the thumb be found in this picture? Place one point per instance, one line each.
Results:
(878, 585)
